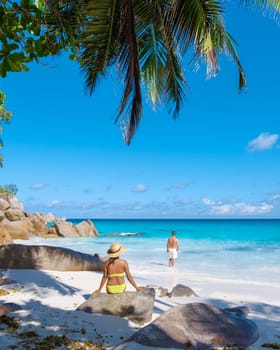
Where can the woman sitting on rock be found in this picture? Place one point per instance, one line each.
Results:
(114, 271)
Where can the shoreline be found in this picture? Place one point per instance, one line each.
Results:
(48, 301)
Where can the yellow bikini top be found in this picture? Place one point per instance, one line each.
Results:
(121, 274)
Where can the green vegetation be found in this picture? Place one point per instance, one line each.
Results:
(11, 188)
(5, 117)
(145, 41)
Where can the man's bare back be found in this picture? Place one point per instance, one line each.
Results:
(172, 243)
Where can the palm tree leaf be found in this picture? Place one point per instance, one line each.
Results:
(191, 20)
(160, 65)
(130, 110)
(151, 47)
(99, 40)
(199, 24)
(273, 5)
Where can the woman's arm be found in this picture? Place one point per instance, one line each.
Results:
(129, 277)
(103, 279)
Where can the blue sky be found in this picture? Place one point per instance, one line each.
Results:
(219, 159)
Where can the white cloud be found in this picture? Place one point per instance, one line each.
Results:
(263, 142)
(38, 186)
(55, 203)
(249, 209)
(61, 204)
(237, 208)
(275, 197)
(140, 188)
(207, 201)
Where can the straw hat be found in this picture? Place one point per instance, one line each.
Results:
(115, 250)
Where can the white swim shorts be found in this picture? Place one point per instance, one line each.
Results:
(173, 253)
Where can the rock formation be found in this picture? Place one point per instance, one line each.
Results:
(15, 223)
(195, 326)
(182, 291)
(135, 306)
(18, 256)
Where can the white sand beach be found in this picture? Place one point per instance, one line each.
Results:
(48, 301)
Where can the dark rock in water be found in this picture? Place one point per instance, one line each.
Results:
(136, 306)
(7, 308)
(181, 291)
(40, 257)
(195, 326)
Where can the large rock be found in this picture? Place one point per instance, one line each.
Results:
(8, 200)
(83, 229)
(195, 326)
(4, 204)
(5, 238)
(21, 229)
(65, 229)
(14, 214)
(2, 216)
(182, 291)
(86, 229)
(17, 256)
(135, 306)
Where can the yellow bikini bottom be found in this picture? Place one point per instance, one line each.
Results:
(117, 289)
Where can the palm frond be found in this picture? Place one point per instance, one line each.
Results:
(99, 40)
(130, 110)
(160, 65)
(153, 58)
(174, 84)
(273, 5)
(151, 47)
(191, 20)
(230, 49)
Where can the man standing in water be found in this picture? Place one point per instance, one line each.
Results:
(172, 248)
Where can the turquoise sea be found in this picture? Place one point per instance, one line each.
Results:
(209, 249)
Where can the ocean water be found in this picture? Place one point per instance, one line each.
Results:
(237, 250)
